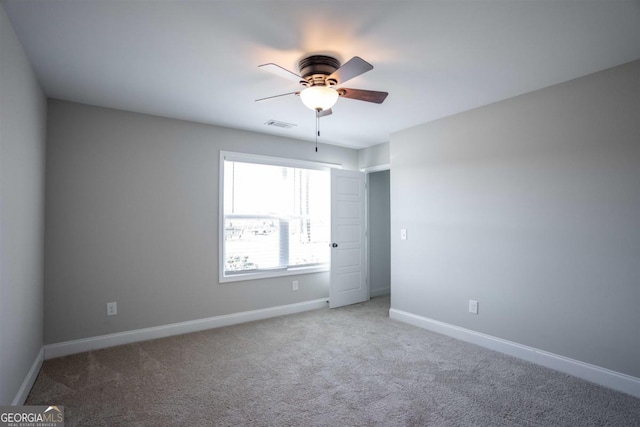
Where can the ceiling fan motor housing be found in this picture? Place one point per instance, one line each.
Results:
(316, 68)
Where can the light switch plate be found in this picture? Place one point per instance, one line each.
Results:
(403, 234)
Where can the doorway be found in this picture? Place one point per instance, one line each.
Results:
(379, 231)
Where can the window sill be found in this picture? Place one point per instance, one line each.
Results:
(272, 274)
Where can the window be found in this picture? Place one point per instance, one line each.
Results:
(275, 217)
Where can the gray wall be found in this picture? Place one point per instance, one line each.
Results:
(532, 207)
(375, 155)
(379, 234)
(22, 147)
(132, 216)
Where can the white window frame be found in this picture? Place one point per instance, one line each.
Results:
(267, 160)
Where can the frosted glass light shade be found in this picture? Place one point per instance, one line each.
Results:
(319, 97)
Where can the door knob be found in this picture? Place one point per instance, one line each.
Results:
(334, 245)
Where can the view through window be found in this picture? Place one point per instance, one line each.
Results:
(276, 218)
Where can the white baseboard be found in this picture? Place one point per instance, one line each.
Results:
(379, 292)
(596, 374)
(65, 348)
(29, 380)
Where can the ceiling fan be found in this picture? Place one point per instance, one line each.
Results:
(321, 75)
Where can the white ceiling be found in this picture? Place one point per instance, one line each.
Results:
(198, 60)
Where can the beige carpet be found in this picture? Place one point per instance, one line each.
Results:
(311, 370)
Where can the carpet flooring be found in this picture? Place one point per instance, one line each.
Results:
(350, 366)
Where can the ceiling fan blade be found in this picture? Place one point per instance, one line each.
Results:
(282, 72)
(363, 95)
(276, 96)
(323, 113)
(350, 69)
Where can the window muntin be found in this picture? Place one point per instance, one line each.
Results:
(275, 218)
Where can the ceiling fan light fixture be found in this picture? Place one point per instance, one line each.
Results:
(319, 98)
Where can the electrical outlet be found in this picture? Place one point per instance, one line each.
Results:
(112, 308)
(473, 306)
(294, 285)
(403, 234)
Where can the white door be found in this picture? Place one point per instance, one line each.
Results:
(348, 250)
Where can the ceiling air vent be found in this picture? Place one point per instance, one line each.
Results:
(278, 124)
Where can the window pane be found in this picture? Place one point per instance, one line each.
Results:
(254, 188)
(251, 244)
(308, 242)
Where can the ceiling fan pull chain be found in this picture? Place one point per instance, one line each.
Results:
(317, 128)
